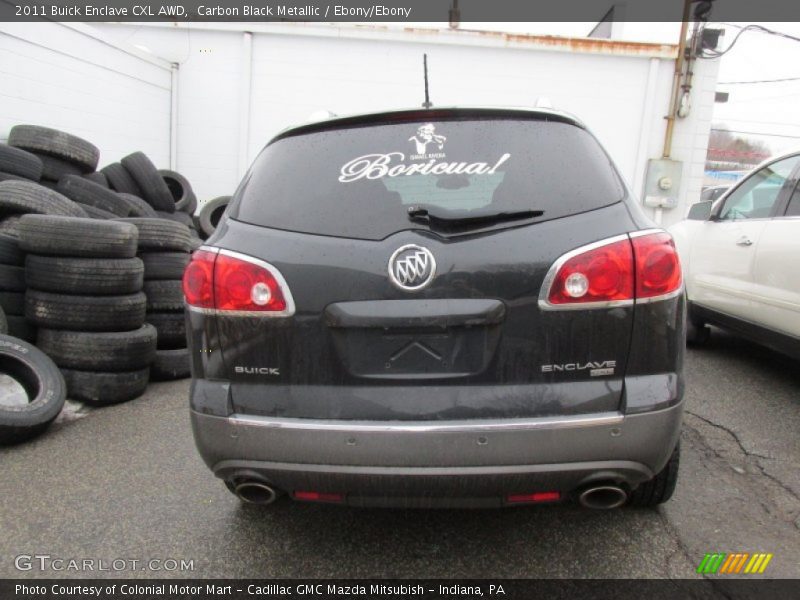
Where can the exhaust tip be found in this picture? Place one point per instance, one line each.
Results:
(255, 492)
(603, 497)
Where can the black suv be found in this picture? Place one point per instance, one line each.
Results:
(441, 307)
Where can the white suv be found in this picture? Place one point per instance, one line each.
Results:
(741, 258)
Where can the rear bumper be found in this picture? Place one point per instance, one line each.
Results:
(457, 463)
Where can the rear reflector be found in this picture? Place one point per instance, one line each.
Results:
(534, 497)
(232, 283)
(318, 497)
(615, 272)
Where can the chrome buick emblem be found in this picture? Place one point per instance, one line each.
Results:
(411, 267)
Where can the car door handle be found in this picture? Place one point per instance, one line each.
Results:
(744, 241)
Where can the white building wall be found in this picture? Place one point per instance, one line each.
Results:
(70, 78)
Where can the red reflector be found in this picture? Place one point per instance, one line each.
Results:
(318, 497)
(534, 497)
(601, 274)
(658, 270)
(198, 280)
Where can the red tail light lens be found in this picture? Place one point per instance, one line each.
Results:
(658, 270)
(231, 282)
(318, 497)
(533, 498)
(615, 272)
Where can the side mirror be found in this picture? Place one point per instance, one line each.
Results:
(700, 211)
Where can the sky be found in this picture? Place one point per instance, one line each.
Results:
(769, 112)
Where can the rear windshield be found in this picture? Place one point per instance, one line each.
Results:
(360, 182)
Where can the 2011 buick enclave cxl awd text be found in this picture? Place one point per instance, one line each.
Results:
(441, 307)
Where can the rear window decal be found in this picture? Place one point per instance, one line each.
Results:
(378, 166)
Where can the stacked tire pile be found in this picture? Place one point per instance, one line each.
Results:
(85, 295)
(12, 290)
(164, 249)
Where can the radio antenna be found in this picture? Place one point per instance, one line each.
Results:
(427, 103)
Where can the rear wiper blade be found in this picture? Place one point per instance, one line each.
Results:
(466, 219)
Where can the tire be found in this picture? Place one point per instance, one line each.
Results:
(178, 217)
(181, 191)
(16, 161)
(10, 177)
(195, 243)
(28, 197)
(170, 364)
(54, 168)
(55, 143)
(138, 207)
(211, 213)
(98, 213)
(97, 177)
(164, 265)
(171, 328)
(45, 386)
(20, 328)
(92, 351)
(10, 253)
(85, 313)
(13, 303)
(154, 188)
(164, 296)
(12, 279)
(160, 235)
(697, 334)
(661, 487)
(97, 276)
(88, 192)
(120, 180)
(9, 226)
(99, 388)
(89, 238)
(3, 322)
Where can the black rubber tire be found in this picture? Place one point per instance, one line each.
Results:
(211, 213)
(28, 197)
(10, 177)
(103, 388)
(98, 213)
(89, 238)
(164, 265)
(16, 161)
(9, 226)
(12, 279)
(661, 487)
(178, 217)
(54, 168)
(99, 276)
(94, 351)
(55, 143)
(171, 328)
(85, 313)
(697, 334)
(120, 180)
(164, 295)
(154, 188)
(13, 303)
(139, 208)
(41, 378)
(10, 252)
(170, 364)
(97, 177)
(181, 190)
(160, 235)
(19, 327)
(88, 192)
(195, 243)
(3, 322)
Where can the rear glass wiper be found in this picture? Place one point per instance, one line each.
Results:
(466, 219)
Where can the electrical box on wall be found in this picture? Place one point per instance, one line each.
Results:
(662, 182)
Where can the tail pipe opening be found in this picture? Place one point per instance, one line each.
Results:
(605, 496)
(255, 492)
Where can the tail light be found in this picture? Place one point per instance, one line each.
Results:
(642, 267)
(232, 283)
(534, 498)
(318, 496)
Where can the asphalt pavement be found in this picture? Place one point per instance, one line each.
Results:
(125, 483)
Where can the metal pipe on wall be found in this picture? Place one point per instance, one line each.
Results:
(676, 82)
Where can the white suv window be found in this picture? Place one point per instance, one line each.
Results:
(755, 198)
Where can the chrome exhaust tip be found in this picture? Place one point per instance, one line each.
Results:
(603, 497)
(255, 492)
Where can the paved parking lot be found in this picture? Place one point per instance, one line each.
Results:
(126, 483)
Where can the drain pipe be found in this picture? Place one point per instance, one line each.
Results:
(676, 81)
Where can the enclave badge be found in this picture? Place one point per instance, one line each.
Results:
(411, 267)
